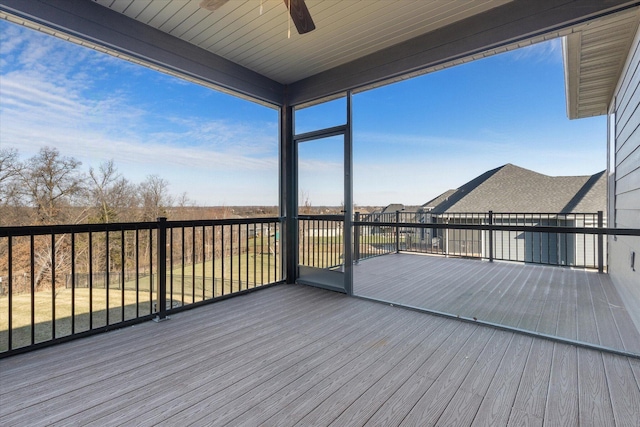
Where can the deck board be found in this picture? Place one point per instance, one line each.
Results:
(562, 398)
(594, 402)
(496, 407)
(531, 397)
(296, 355)
(572, 304)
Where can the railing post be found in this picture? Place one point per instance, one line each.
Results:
(356, 239)
(397, 232)
(490, 236)
(161, 308)
(600, 243)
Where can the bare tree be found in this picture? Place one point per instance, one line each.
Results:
(10, 167)
(154, 198)
(53, 184)
(112, 195)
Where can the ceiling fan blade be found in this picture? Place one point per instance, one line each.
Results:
(300, 16)
(212, 5)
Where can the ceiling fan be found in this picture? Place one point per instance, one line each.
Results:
(297, 9)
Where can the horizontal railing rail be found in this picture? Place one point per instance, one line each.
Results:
(64, 281)
(575, 239)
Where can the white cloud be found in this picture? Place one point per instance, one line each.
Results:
(52, 94)
(550, 50)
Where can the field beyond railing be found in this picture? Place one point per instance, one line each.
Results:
(59, 282)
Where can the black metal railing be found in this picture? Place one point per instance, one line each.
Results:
(60, 282)
(320, 241)
(551, 248)
(575, 240)
(371, 239)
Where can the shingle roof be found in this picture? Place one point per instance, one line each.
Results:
(440, 199)
(510, 188)
(393, 207)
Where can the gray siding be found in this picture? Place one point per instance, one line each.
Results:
(626, 202)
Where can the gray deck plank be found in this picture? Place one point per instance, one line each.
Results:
(298, 408)
(520, 418)
(593, 395)
(370, 400)
(292, 354)
(531, 397)
(429, 409)
(629, 334)
(263, 360)
(226, 340)
(406, 338)
(496, 407)
(587, 323)
(348, 394)
(532, 304)
(397, 406)
(608, 333)
(141, 383)
(623, 390)
(103, 345)
(486, 365)
(562, 400)
(569, 303)
(567, 326)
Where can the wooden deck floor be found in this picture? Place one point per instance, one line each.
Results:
(296, 355)
(574, 304)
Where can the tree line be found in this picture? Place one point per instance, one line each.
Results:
(50, 188)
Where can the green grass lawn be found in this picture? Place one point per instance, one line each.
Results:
(240, 272)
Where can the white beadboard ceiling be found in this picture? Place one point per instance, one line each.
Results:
(345, 29)
(595, 54)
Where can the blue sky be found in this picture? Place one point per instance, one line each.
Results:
(412, 140)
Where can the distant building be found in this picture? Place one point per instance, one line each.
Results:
(518, 196)
(510, 188)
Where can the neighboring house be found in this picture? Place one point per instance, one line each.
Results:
(519, 196)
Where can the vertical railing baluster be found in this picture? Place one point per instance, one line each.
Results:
(53, 286)
(182, 266)
(204, 263)
(151, 271)
(193, 264)
(106, 286)
(10, 292)
(171, 265)
(213, 260)
(222, 259)
(397, 231)
(162, 270)
(268, 251)
(33, 291)
(122, 272)
(490, 236)
(231, 240)
(90, 280)
(246, 244)
(137, 263)
(356, 239)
